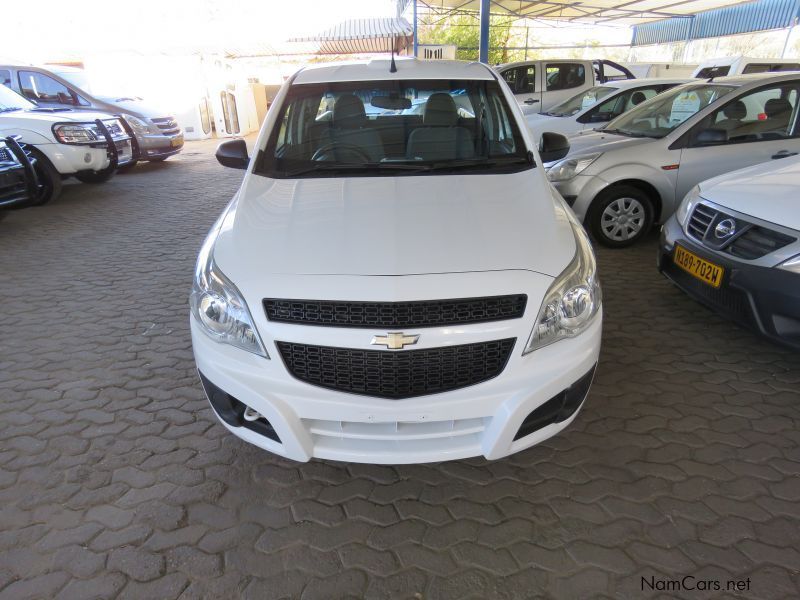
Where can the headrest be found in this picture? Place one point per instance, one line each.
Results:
(638, 97)
(348, 112)
(440, 111)
(735, 110)
(776, 107)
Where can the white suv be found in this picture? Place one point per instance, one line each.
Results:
(89, 146)
(398, 287)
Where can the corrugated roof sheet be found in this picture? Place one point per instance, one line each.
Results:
(760, 15)
(362, 36)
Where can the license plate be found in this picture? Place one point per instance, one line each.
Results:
(705, 271)
(178, 141)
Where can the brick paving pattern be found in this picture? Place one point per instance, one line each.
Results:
(117, 482)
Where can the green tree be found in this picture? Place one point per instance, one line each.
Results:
(463, 31)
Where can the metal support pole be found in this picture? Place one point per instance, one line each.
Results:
(527, 41)
(788, 35)
(416, 41)
(483, 41)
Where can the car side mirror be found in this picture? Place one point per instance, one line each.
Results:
(233, 154)
(711, 136)
(553, 146)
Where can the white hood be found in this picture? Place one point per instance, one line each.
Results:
(55, 116)
(395, 226)
(767, 191)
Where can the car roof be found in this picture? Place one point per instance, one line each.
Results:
(753, 78)
(407, 68)
(626, 83)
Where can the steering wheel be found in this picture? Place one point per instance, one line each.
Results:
(332, 151)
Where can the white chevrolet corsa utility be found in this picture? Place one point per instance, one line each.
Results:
(395, 287)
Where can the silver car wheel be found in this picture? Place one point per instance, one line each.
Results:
(622, 219)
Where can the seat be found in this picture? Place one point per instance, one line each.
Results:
(734, 113)
(778, 111)
(440, 137)
(637, 98)
(348, 127)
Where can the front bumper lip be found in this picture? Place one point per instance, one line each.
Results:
(764, 299)
(315, 423)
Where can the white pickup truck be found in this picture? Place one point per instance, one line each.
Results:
(539, 85)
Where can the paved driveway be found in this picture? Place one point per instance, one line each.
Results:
(116, 480)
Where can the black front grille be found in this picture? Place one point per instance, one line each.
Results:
(426, 313)
(399, 374)
(749, 243)
(6, 156)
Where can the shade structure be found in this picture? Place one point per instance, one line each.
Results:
(361, 36)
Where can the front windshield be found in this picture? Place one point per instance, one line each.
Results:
(77, 78)
(578, 102)
(391, 127)
(11, 100)
(660, 115)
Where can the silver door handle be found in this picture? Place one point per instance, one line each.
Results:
(783, 154)
(531, 101)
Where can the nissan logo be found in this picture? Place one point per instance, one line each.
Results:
(725, 228)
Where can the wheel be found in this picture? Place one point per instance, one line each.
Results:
(94, 176)
(128, 166)
(620, 216)
(49, 179)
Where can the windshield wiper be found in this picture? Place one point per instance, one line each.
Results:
(481, 163)
(348, 167)
(623, 132)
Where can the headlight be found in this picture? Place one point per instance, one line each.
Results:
(569, 167)
(77, 133)
(687, 205)
(793, 265)
(138, 125)
(572, 299)
(217, 304)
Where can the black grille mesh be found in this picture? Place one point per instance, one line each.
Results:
(426, 313)
(395, 375)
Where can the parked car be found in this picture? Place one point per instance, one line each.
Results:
(390, 288)
(734, 245)
(18, 184)
(593, 108)
(743, 65)
(65, 143)
(538, 85)
(621, 179)
(156, 135)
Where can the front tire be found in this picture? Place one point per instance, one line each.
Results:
(49, 179)
(620, 216)
(95, 176)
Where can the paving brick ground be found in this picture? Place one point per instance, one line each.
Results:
(116, 481)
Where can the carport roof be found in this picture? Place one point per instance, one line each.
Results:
(361, 36)
(623, 12)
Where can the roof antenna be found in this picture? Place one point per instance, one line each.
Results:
(393, 66)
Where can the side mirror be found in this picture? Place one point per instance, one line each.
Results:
(233, 154)
(553, 146)
(711, 136)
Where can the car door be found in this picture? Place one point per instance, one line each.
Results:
(46, 91)
(751, 128)
(522, 81)
(562, 80)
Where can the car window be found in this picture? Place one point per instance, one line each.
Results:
(394, 127)
(46, 90)
(11, 100)
(521, 80)
(765, 114)
(5, 77)
(770, 67)
(580, 101)
(564, 76)
(708, 72)
(667, 111)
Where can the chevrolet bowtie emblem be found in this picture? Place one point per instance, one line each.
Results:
(394, 340)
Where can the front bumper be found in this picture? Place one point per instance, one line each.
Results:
(580, 191)
(157, 146)
(483, 419)
(763, 299)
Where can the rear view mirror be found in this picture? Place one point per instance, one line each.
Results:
(553, 146)
(391, 102)
(233, 153)
(712, 136)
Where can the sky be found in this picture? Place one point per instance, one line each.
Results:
(63, 31)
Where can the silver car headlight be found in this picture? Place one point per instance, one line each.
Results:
(138, 125)
(77, 133)
(570, 167)
(687, 205)
(572, 299)
(793, 265)
(218, 306)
